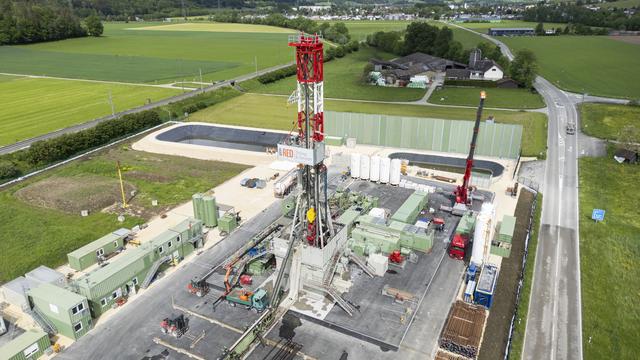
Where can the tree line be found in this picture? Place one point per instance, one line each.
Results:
(582, 18)
(32, 21)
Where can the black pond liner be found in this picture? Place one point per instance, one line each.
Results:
(417, 159)
(218, 136)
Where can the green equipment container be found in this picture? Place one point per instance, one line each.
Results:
(288, 205)
(410, 209)
(334, 140)
(227, 223)
(507, 227)
(210, 211)
(466, 224)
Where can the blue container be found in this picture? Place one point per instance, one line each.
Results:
(486, 286)
(471, 272)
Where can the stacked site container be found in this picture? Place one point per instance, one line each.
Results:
(486, 286)
(30, 345)
(66, 310)
(501, 245)
(87, 255)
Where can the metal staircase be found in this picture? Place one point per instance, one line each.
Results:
(333, 293)
(328, 275)
(358, 261)
(42, 320)
(153, 270)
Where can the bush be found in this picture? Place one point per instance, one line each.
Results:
(340, 52)
(62, 147)
(8, 170)
(277, 74)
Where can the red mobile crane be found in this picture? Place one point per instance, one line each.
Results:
(462, 191)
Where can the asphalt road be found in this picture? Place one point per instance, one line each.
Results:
(75, 128)
(554, 321)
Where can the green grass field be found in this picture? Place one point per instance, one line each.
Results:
(606, 121)
(342, 79)
(129, 55)
(272, 112)
(360, 29)
(217, 27)
(498, 98)
(593, 64)
(609, 253)
(31, 107)
(33, 235)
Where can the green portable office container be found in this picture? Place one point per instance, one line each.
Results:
(29, 345)
(88, 255)
(66, 310)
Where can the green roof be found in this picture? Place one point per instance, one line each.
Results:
(508, 225)
(123, 260)
(409, 210)
(97, 244)
(163, 237)
(348, 216)
(57, 295)
(20, 343)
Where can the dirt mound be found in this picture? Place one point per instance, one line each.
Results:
(73, 194)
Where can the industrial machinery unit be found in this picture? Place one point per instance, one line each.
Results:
(462, 192)
(257, 301)
(175, 326)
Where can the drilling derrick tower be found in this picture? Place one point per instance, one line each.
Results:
(307, 147)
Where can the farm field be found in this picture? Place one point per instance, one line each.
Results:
(360, 29)
(151, 56)
(596, 65)
(217, 27)
(608, 253)
(272, 112)
(498, 98)
(606, 121)
(342, 79)
(34, 106)
(169, 179)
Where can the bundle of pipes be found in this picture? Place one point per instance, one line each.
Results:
(467, 351)
(462, 332)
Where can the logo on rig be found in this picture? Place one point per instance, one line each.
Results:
(301, 155)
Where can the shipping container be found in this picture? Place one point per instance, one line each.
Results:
(67, 311)
(102, 248)
(486, 286)
(30, 345)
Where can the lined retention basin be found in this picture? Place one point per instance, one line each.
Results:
(220, 136)
(491, 167)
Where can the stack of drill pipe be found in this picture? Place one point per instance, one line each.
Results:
(462, 332)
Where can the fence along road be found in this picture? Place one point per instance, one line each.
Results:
(75, 128)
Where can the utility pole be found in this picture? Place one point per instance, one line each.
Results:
(255, 60)
(184, 14)
(200, 79)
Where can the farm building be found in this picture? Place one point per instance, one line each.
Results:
(511, 32)
(416, 69)
(29, 345)
(98, 250)
(478, 69)
(64, 311)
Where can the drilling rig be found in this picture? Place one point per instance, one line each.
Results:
(311, 225)
(462, 192)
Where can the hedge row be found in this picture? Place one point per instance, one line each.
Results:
(64, 146)
(276, 75)
(474, 83)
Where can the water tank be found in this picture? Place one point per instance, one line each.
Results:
(355, 165)
(394, 175)
(364, 167)
(374, 171)
(385, 168)
(482, 233)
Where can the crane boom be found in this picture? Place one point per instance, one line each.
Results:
(462, 191)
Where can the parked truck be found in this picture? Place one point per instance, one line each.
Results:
(459, 246)
(257, 301)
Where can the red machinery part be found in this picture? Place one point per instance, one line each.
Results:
(246, 279)
(396, 257)
(462, 191)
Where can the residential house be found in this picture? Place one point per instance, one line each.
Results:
(478, 69)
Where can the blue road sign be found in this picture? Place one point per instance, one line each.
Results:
(597, 215)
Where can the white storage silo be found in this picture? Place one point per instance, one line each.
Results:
(374, 170)
(355, 165)
(385, 168)
(364, 167)
(394, 175)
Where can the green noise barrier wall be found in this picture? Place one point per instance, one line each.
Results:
(454, 136)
